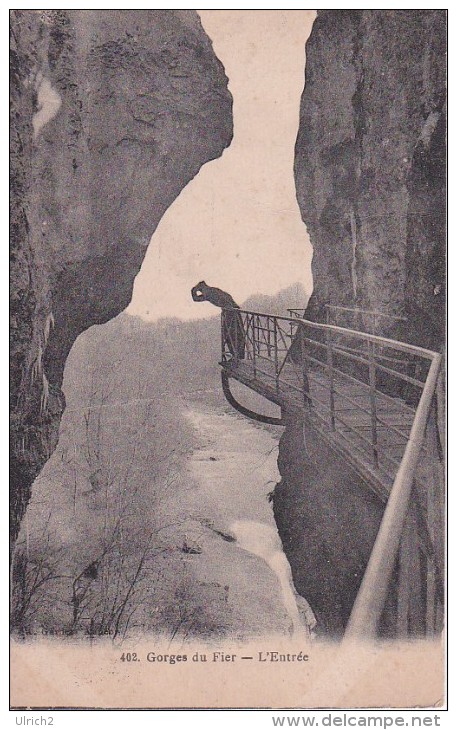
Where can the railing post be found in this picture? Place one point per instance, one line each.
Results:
(257, 339)
(253, 346)
(374, 428)
(306, 392)
(235, 329)
(330, 377)
(275, 342)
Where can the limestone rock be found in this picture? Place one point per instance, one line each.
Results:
(370, 164)
(112, 114)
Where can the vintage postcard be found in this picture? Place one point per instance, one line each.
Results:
(228, 243)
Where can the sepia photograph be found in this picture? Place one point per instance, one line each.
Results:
(228, 359)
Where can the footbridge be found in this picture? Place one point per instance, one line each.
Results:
(376, 403)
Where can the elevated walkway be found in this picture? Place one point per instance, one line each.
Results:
(374, 402)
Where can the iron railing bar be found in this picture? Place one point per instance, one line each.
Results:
(235, 325)
(283, 364)
(364, 361)
(383, 449)
(304, 371)
(354, 430)
(381, 454)
(378, 355)
(254, 352)
(384, 424)
(275, 344)
(401, 376)
(350, 400)
(361, 382)
(268, 373)
(292, 377)
(283, 336)
(349, 410)
(354, 351)
(394, 429)
(263, 372)
(382, 429)
(385, 341)
(264, 329)
(330, 377)
(384, 396)
(256, 327)
(261, 342)
(266, 358)
(372, 377)
(372, 594)
(292, 386)
(314, 342)
(271, 376)
(396, 463)
(248, 335)
(337, 433)
(384, 468)
(263, 339)
(368, 412)
(320, 363)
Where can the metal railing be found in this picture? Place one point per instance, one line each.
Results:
(356, 318)
(372, 397)
(371, 598)
(361, 320)
(354, 381)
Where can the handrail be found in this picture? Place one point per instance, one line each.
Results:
(395, 344)
(367, 438)
(372, 594)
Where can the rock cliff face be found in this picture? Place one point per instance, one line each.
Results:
(112, 113)
(370, 179)
(328, 521)
(370, 164)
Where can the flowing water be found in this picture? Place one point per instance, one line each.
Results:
(234, 470)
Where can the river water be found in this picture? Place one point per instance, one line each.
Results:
(233, 538)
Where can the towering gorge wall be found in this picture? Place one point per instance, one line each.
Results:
(370, 163)
(112, 113)
(370, 180)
